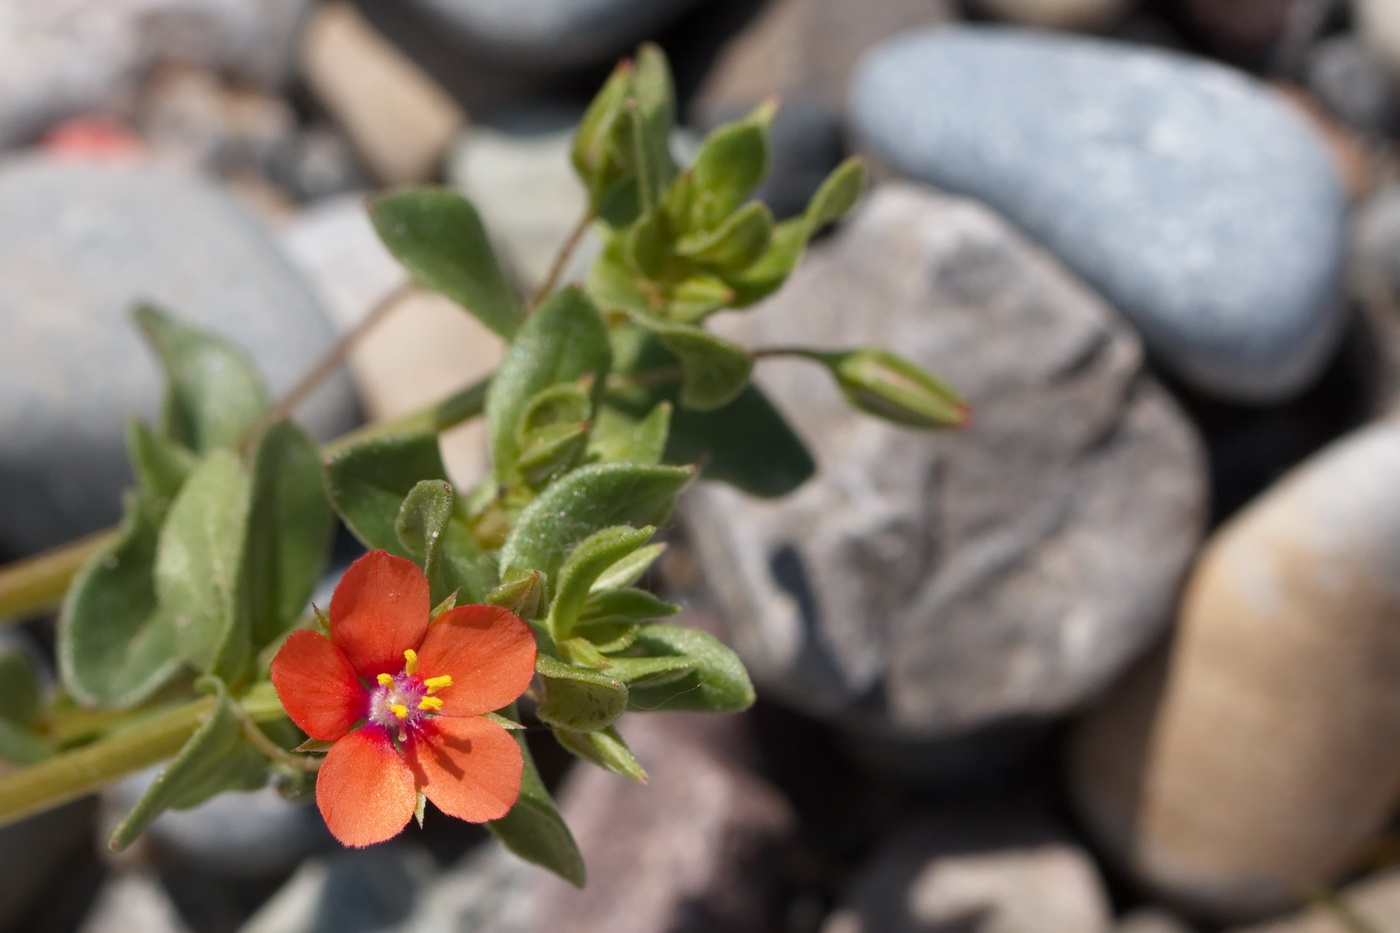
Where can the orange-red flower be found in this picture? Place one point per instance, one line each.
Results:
(403, 698)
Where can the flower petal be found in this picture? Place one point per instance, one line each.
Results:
(317, 686)
(488, 652)
(379, 608)
(468, 767)
(364, 789)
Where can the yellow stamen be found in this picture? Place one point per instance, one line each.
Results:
(430, 703)
(434, 684)
(384, 680)
(410, 661)
(399, 710)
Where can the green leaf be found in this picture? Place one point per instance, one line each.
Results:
(653, 116)
(438, 237)
(601, 136)
(837, 194)
(714, 371)
(115, 644)
(647, 672)
(160, 465)
(729, 167)
(522, 592)
(214, 760)
(887, 386)
(617, 436)
(577, 698)
(563, 341)
(551, 453)
(585, 564)
(212, 392)
(199, 567)
(626, 603)
(605, 749)
(747, 444)
(586, 500)
(630, 569)
(367, 484)
(647, 245)
(21, 692)
(718, 684)
(429, 530)
(289, 530)
(696, 298)
(608, 635)
(734, 245)
(20, 745)
(534, 830)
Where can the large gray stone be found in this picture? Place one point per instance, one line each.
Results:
(980, 870)
(552, 34)
(79, 246)
(60, 59)
(1194, 199)
(925, 585)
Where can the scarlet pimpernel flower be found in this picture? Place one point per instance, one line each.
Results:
(402, 698)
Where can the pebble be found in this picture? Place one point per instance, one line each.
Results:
(60, 59)
(927, 585)
(1354, 86)
(1193, 198)
(1252, 759)
(984, 869)
(1059, 14)
(352, 891)
(400, 121)
(80, 245)
(1379, 23)
(130, 901)
(552, 35)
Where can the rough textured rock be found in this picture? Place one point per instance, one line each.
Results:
(79, 246)
(552, 34)
(789, 47)
(423, 349)
(1058, 14)
(695, 850)
(60, 58)
(983, 871)
(924, 585)
(1195, 200)
(1375, 901)
(1253, 759)
(398, 118)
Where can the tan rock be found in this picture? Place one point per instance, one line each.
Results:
(398, 118)
(1253, 758)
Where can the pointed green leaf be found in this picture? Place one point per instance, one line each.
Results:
(649, 672)
(608, 635)
(729, 167)
(577, 698)
(564, 340)
(585, 564)
(628, 570)
(718, 683)
(160, 464)
(736, 244)
(617, 436)
(212, 392)
(199, 567)
(605, 749)
(586, 500)
(627, 603)
(653, 116)
(602, 134)
(714, 370)
(430, 531)
(438, 237)
(115, 645)
(552, 452)
(534, 830)
(837, 194)
(289, 530)
(699, 296)
(367, 484)
(522, 592)
(214, 760)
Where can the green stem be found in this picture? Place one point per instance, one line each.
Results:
(37, 584)
(70, 775)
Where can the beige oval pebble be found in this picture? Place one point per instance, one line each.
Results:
(1256, 756)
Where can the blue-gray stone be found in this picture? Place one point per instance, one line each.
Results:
(79, 246)
(553, 34)
(1190, 195)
